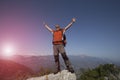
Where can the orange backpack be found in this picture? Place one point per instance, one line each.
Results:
(59, 37)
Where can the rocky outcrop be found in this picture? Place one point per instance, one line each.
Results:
(63, 75)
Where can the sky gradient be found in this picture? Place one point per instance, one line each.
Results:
(96, 31)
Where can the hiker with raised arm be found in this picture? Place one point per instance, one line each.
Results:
(59, 44)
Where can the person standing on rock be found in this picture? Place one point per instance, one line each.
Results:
(59, 44)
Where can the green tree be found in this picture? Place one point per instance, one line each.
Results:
(100, 72)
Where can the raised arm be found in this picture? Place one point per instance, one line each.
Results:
(48, 28)
(70, 24)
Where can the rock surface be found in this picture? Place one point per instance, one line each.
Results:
(63, 75)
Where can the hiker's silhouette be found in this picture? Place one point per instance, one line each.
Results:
(59, 41)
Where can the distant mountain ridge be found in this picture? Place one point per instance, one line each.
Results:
(10, 70)
(19, 64)
(81, 61)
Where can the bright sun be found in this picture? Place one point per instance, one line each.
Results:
(8, 50)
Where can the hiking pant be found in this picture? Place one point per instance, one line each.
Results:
(60, 49)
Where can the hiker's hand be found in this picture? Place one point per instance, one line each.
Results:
(73, 19)
(44, 23)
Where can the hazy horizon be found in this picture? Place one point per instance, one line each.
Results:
(82, 56)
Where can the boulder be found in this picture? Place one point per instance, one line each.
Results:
(63, 75)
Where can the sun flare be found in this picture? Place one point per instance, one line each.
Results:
(8, 50)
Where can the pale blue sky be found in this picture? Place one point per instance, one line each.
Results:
(96, 31)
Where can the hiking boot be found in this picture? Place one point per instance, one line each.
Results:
(56, 72)
(71, 70)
